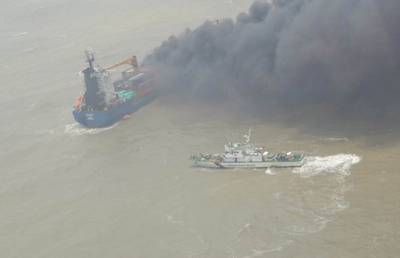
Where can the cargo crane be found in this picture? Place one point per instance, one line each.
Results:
(130, 61)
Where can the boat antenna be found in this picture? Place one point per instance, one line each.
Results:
(248, 136)
(89, 57)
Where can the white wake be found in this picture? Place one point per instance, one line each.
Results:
(76, 129)
(338, 164)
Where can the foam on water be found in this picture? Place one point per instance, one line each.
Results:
(338, 164)
(335, 139)
(270, 172)
(18, 34)
(76, 129)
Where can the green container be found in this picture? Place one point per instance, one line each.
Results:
(126, 94)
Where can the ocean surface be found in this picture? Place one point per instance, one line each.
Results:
(130, 190)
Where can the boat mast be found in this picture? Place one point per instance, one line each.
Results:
(248, 136)
(89, 57)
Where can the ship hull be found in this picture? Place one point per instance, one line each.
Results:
(101, 119)
(271, 164)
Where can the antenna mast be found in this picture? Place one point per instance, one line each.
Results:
(248, 136)
(89, 57)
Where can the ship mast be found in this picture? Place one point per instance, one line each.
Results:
(89, 57)
(248, 136)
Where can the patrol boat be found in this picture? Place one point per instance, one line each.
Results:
(247, 155)
(105, 102)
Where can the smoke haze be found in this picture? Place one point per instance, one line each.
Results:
(341, 57)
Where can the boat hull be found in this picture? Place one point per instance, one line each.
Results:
(271, 164)
(101, 119)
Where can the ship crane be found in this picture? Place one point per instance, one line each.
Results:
(130, 61)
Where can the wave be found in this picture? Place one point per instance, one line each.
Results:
(338, 164)
(335, 139)
(270, 172)
(76, 129)
(19, 34)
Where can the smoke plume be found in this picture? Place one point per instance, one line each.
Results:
(342, 56)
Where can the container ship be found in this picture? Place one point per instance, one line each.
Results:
(106, 102)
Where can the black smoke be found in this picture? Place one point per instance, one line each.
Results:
(341, 57)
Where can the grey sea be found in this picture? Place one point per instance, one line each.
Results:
(130, 190)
